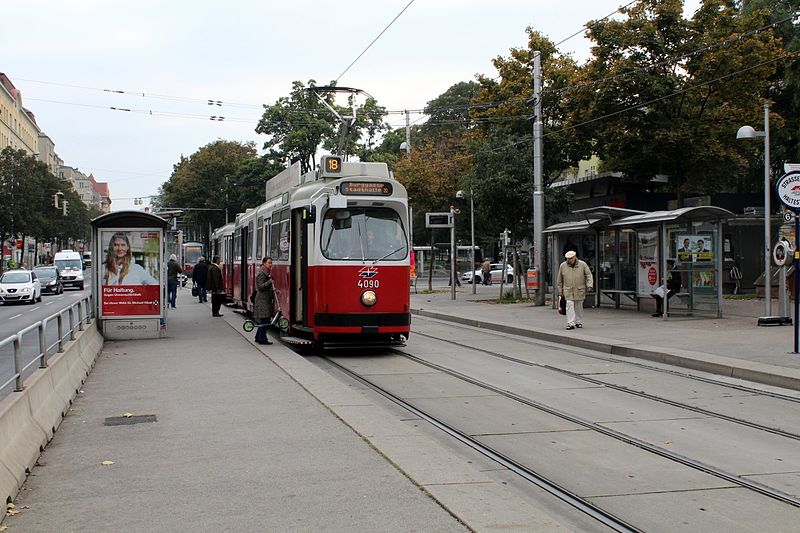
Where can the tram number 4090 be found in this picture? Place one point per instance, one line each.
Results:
(369, 283)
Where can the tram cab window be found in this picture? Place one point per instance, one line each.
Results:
(363, 233)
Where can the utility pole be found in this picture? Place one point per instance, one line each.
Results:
(538, 189)
(408, 132)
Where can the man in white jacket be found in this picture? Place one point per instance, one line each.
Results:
(574, 280)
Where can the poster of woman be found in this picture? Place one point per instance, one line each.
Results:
(130, 274)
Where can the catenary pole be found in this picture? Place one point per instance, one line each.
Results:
(538, 190)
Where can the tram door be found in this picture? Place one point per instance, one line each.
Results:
(243, 266)
(300, 267)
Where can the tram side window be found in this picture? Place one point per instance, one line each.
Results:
(260, 238)
(249, 242)
(279, 236)
(237, 245)
(363, 233)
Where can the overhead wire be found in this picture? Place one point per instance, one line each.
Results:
(373, 41)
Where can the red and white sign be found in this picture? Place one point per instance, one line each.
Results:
(131, 300)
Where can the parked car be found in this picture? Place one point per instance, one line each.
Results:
(50, 279)
(496, 272)
(20, 286)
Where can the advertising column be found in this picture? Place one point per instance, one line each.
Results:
(129, 273)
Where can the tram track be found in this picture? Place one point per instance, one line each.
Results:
(581, 504)
(618, 435)
(557, 489)
(582, 352)
(620, 388)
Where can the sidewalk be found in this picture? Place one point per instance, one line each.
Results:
(249, 438)
(733, 346)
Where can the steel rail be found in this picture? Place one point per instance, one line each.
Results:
(548, 344)
(626, 390)
(528, 474)
(618, 435)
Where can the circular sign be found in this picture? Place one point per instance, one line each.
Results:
(788, 190)
(787, 216)
(652, 276)
(782, 253)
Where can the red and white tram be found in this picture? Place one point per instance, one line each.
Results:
(222, 245)
(338, 237)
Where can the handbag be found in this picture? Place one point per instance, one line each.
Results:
(195, 290)
(253, 297)
(562, 306)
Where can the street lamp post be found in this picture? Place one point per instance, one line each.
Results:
(747, 132)
(460, 194)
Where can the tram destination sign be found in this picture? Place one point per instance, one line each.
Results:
(788, 190)
(365, 188)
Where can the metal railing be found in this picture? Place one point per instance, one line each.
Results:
(79, 313)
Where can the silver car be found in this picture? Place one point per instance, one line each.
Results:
(496, 273)
(20, 286)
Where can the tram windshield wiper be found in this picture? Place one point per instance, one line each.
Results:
(387, 256)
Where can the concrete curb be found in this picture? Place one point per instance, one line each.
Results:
(29, 418)
(766, 374)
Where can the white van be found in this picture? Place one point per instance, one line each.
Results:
(70, 265)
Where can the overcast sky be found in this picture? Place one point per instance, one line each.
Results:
(244, 53)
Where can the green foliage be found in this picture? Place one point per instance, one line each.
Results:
(26, 196)
(221, 176)
(300, 124)
(655, 106)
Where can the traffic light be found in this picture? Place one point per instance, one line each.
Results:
(57, 199)
(65, 207)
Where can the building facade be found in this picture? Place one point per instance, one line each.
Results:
(18, 128)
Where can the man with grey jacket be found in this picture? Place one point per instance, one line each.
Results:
(574, 280)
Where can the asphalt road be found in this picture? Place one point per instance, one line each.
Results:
(15, 317)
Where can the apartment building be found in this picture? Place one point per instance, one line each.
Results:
(18, 128)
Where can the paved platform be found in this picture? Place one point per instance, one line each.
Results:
(249, 438)
(733, 346)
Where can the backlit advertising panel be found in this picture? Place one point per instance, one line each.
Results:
(130, 273)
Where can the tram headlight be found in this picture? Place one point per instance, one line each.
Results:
(369, 298)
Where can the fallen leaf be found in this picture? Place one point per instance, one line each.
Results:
(107, 463)
(11, 512)
(3, 528)
(127, 415)
(667, 442)
(10, 505)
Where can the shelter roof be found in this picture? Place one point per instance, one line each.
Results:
(684, 214)
(575, 226)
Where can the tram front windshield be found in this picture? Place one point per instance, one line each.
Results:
(363, 233)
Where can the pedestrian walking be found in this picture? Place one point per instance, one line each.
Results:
(265, 300)
(173, 269)
(574, 280)
(486, 272)
(199, 276)
(215, 284)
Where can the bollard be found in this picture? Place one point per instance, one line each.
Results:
(17, 365)
(42, 345)
(60, 332)
(80, 316)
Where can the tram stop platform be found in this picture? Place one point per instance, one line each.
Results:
(733, 346)
(258, 438)
(249, 438)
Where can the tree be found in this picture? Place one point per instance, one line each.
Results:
(660, 97)
(300, 124)
(206, 183)
(297, 125)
